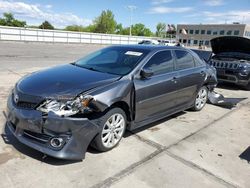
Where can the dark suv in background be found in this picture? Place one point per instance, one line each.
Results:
(232, 60)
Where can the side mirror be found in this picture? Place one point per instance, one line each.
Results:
(146, 73)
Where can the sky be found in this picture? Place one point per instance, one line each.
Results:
(149, 12)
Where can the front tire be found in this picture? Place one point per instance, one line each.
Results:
(201, 99)
(113, 125)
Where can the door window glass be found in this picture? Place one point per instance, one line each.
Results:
(162, 62)
(184, 60)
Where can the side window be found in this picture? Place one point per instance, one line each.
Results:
(161, 62)
(198, 62)
(184, 60)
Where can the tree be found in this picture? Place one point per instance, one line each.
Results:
(80, 28)
(139, 29)
(105, 23)
(161, 30)
(90, 28)
(9, 20)
(125, 31)
(46, 25)
(75, 28)
(119, 29)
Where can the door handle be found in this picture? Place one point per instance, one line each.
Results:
(174, 79)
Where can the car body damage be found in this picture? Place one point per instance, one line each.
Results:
(232, 59)
(35, 128)
(60, 111)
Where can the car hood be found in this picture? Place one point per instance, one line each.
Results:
(230, 44)
(63, 81)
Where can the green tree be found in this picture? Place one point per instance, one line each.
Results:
(160, 30)
(125, 31)
(139, 29)
(105, 23)
(75, 28)
(119, 29)
(9, 20)
(80, 28)
(90, 28)
(46, 25)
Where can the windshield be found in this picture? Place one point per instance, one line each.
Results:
(114, 60)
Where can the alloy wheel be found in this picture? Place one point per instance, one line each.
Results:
(201, 98)
(113, 130)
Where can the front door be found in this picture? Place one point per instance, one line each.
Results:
(156, 95)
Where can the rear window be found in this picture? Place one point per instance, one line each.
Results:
(184, 60)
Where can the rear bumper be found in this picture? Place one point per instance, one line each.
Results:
(36, 131)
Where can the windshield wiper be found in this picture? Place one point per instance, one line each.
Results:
(91, 68)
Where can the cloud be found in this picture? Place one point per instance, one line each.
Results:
(214, 2)
(167, 10)
(48, 6)
(34, 13)
(157, 2)
(241, 16)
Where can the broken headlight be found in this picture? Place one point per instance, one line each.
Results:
(66, 108)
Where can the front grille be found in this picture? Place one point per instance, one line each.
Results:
(225, 65)
(42, 138)
(26, 105)
(25, 101)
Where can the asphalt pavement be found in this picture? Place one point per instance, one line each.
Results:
(188, 149)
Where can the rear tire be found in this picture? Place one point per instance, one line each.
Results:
(112, 125)
(201, 99)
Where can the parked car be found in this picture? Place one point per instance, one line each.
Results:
(60, 111)
(149, 42)
(232, 59)
(167, 42)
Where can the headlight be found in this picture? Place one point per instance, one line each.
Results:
(66, 108)
(242, 66)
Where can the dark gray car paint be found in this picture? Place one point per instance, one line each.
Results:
(170, 93)
(230, 44)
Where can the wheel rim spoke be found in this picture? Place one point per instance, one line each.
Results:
(105, 131)
(117, 135)
(112, 139)
(108, 124)
(109, 138)
(106, 137)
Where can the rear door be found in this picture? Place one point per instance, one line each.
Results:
(156, 95)
(191, 77)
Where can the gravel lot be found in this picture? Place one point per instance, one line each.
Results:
(189, 149)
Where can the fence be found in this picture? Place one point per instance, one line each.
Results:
(57, 36)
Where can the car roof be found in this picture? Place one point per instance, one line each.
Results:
(150, 47)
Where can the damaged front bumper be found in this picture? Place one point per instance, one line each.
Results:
(72, 135)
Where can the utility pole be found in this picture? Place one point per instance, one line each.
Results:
(131, 8)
